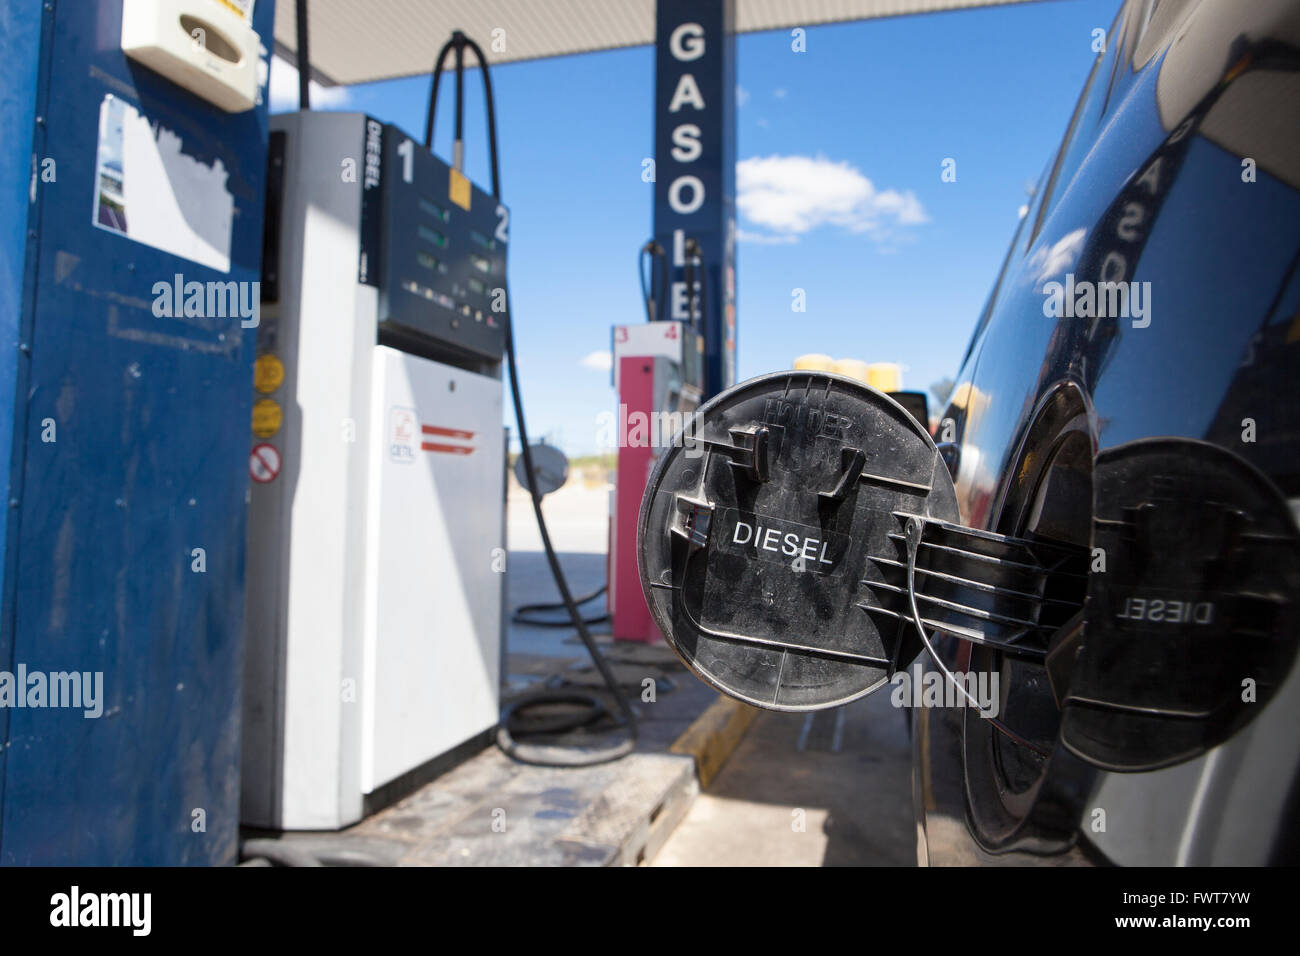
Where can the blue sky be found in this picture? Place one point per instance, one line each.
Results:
(885, 101)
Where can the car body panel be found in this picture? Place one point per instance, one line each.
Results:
(1151, 186)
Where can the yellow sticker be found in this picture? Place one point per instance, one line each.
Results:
(459, 192)
(268, 373)
(241, 8)
(267, 417)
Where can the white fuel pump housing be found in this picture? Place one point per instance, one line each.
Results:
(207, 46)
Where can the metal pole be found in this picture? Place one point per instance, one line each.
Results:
(304, 56)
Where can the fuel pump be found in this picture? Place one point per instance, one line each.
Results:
(658, 372)
(377, 533)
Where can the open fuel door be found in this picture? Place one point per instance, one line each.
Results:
(801, 536)
(800, 543)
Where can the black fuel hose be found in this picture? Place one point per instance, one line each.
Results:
(543, 754)
(651, 254)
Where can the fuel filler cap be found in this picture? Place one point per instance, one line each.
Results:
(772, 539)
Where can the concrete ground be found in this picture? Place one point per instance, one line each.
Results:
(577, 516)
(831, 788)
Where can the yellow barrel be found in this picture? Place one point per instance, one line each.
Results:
(814, 362)
(886, 376)
(852, 368)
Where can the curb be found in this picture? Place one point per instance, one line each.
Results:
(650, 833)
(714, 736)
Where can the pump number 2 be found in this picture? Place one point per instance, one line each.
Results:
(503, 221)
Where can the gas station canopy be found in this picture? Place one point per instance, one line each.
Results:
(360, 41)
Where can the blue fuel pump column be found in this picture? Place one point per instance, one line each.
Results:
(695, 164)
(131, 235)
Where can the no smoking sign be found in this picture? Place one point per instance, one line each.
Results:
(263, 463)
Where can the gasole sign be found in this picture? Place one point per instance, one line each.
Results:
(694, 170)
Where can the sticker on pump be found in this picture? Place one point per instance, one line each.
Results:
(267, 417)
(268, 373)
(458, 191)
(264, 463)
(243, 8)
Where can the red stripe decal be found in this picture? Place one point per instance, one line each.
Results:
(448, 449)
(446, 432)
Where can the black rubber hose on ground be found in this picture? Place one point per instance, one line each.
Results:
(327, 851)
(522, 613)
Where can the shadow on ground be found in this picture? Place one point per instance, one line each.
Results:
(831, 788)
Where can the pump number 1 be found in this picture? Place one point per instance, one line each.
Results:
(406, 150)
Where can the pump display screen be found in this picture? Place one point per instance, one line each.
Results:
(434, 244)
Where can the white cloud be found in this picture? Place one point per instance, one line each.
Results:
(601, 361)
(791, 195)
(763, 239)
(283, 90)
(779, 92)
(742, 96)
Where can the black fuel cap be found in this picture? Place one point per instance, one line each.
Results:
(771, 539)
